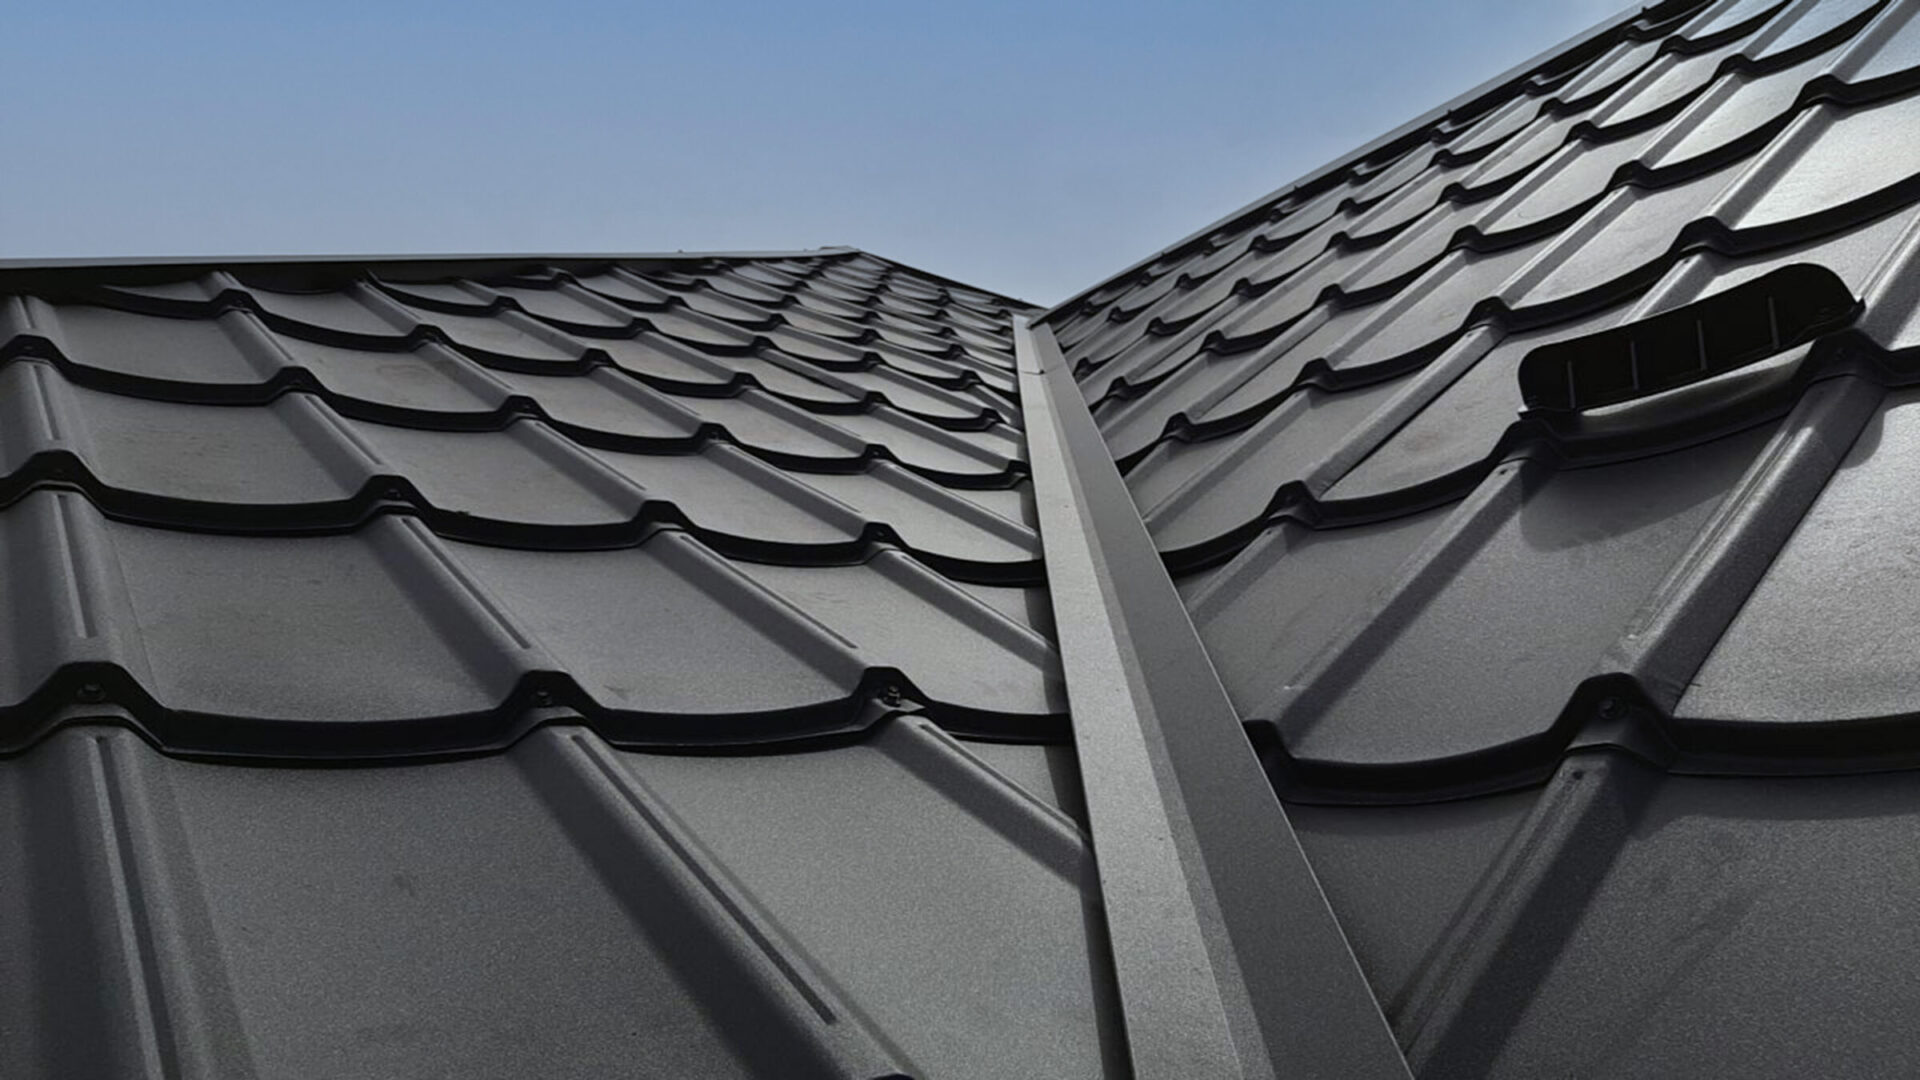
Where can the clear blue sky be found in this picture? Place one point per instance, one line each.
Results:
(1030, 148)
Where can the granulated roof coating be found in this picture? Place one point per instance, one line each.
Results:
(367, 513)
(1565, 439)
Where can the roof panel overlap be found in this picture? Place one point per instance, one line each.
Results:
(365, 506)
(1581, 648)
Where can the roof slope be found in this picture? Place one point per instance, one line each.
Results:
(390, 514)
(741, 471)
(1562, 440)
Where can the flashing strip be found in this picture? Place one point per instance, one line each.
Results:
(1228, 959)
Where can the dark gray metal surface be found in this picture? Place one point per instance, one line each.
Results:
(1216, 922)
(565, 909)
(1538, 486)
(1534, 480)
(520, 514)
(691, 500)
(1367, 368)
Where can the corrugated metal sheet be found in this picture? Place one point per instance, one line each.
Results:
(1563, 442)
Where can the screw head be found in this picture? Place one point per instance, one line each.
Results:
(91, 693)
(1611, 708)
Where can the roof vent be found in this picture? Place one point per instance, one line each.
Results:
(1743, 325)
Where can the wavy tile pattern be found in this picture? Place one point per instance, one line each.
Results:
(1595, 708)
(336, 509)
(1337, 450)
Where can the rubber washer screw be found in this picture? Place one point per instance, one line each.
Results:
(1611, 708)
(891, 695)
(91, 693)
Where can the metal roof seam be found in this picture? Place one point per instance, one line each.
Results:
(1195, 856)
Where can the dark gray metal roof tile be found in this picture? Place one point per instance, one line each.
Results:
(429, 378)
(1700, 226)
(1287, 595)
(605, 400)
(1497, 125)
(1199, 492)
(1751, 877)
(1837, 158)
(1409, 202)
(1408, 252)
(744, 916)
(1733, 108)
(1398, 878)
(1667, 81)
(233, 348)
(1728, 16)
(1620, 63)
(1575, 176)
(1524, 151)
(464, 502)
(1888, 49)
(345, 315)
(1548, 571)
(1804, 24)
(1625, 237)
(1463, 426)
(1820, 639)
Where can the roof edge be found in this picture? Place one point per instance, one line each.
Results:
(161, 262)
(1032, 309)
(1498, 82)
(321, 267)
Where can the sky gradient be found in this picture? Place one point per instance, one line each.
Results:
(1028, 148)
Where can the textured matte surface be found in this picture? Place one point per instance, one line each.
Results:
(1213, 914)
(378, 512)
(371, 516)
(564, 909)
(651, 598)
(1400, 560)
(1593, 700)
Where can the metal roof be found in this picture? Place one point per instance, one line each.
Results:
(1450, 618)
(506, 481)
(475, 535)
(1536, 482)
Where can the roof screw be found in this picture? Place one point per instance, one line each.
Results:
(91, 693)
(543, 697)
(1612, 708)
(890, 696)
(393, 491)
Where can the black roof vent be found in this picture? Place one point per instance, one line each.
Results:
(1709, 337)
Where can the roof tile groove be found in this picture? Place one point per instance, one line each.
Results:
(1468, 225)
(1536, 479)
(1273, 461)
(622, 899)
(1543, 510)
(615, 491)
(1550, 667)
